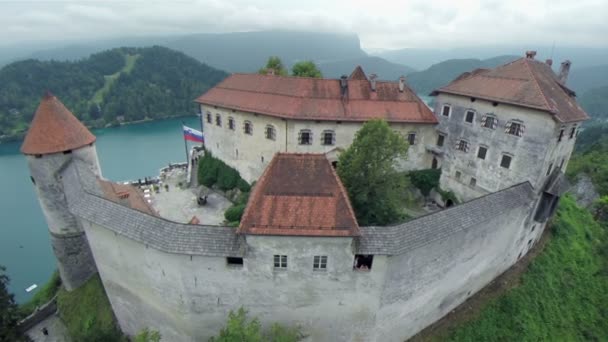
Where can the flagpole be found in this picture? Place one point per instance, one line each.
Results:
(185, 143)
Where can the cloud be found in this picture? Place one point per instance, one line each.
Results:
(379, 24)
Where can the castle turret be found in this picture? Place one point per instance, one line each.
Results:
(56, 138)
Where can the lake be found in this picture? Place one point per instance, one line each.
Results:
(125, 153)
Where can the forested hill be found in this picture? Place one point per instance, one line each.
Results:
(119, 85)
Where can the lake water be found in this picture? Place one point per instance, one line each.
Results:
(127, 152)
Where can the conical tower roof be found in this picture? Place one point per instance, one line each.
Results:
(55, 129)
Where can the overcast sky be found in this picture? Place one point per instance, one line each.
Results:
(379, 24)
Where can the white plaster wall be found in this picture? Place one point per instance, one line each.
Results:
(530, 152)
(425, 284)
(224, 143)
(50, 190)
(189, 299)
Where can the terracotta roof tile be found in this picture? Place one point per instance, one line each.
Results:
(55, 129)
(318, 99)
(358, 74)
(299, 194)
(524, 82)
(127, 195)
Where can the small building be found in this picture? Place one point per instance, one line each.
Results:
(500, 127)
(247, 118)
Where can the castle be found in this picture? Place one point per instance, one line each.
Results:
(501, 138)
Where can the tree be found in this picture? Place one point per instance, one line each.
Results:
(306, 69)
(367, 170)
(240, 328)
(8, 311)
(274, 63)
(147, 335)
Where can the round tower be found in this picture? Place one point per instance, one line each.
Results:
(56, 138)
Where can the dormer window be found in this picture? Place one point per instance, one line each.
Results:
(469, 116)
(446, 110)
(489, 121)
(515, 128)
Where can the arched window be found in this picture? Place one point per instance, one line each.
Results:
(231, 123)
(248, 127)
(328, 138)
(305, 137)
(218, 120)
(271, 133)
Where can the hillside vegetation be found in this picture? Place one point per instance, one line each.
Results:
(129, 84)
(562, 297)
(595, 102)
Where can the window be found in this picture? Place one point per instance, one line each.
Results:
(506, 161)
(329, 138)
(446, 110)
(458, 175)
(248, 127)
(515, 128)
(363, 262)
(469, 116)
(481, 153)
(319, 262)
(472, 182)
(231, 123)
(218, 120)
(234, 261)
(209, 119)
(411, 138)
(572, 131)
(489, 121)
(549, 169)
(280, 261)
(270, 132)
(440, 139)
(305, 137)
(561, 135)
(462, 145)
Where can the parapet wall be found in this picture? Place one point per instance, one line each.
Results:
(175, 277)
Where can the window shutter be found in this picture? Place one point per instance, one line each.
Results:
(483, 120)
(333, 138)
(494, 123)
(522, 128)
(457, 144)
(466, 147)
(300, 137)
(508, 127)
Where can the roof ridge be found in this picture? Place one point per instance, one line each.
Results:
(538, 87)
(345, 196)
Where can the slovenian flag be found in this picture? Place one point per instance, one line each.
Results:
(191, 134)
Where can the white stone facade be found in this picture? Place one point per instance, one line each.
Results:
(251, 153)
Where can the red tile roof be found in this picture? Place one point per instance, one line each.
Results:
(55, 129)
(318, 99)
(127, 195)
(299, 194)
(524, 82)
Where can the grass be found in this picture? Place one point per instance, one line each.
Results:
(563, 295)
(42, 296)
(87, 313)
(110, 79)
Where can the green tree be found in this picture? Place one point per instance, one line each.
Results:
(239, 328)
(9, 315)
(274, 63)
(147, 335)
(306, 69)
(367, 170)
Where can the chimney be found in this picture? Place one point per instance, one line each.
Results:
(343, 84)
(549, 62)
(563, 71)
(372, 81)
(530, 54)
(401, 83)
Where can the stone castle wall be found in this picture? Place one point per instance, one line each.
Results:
(175, 278)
